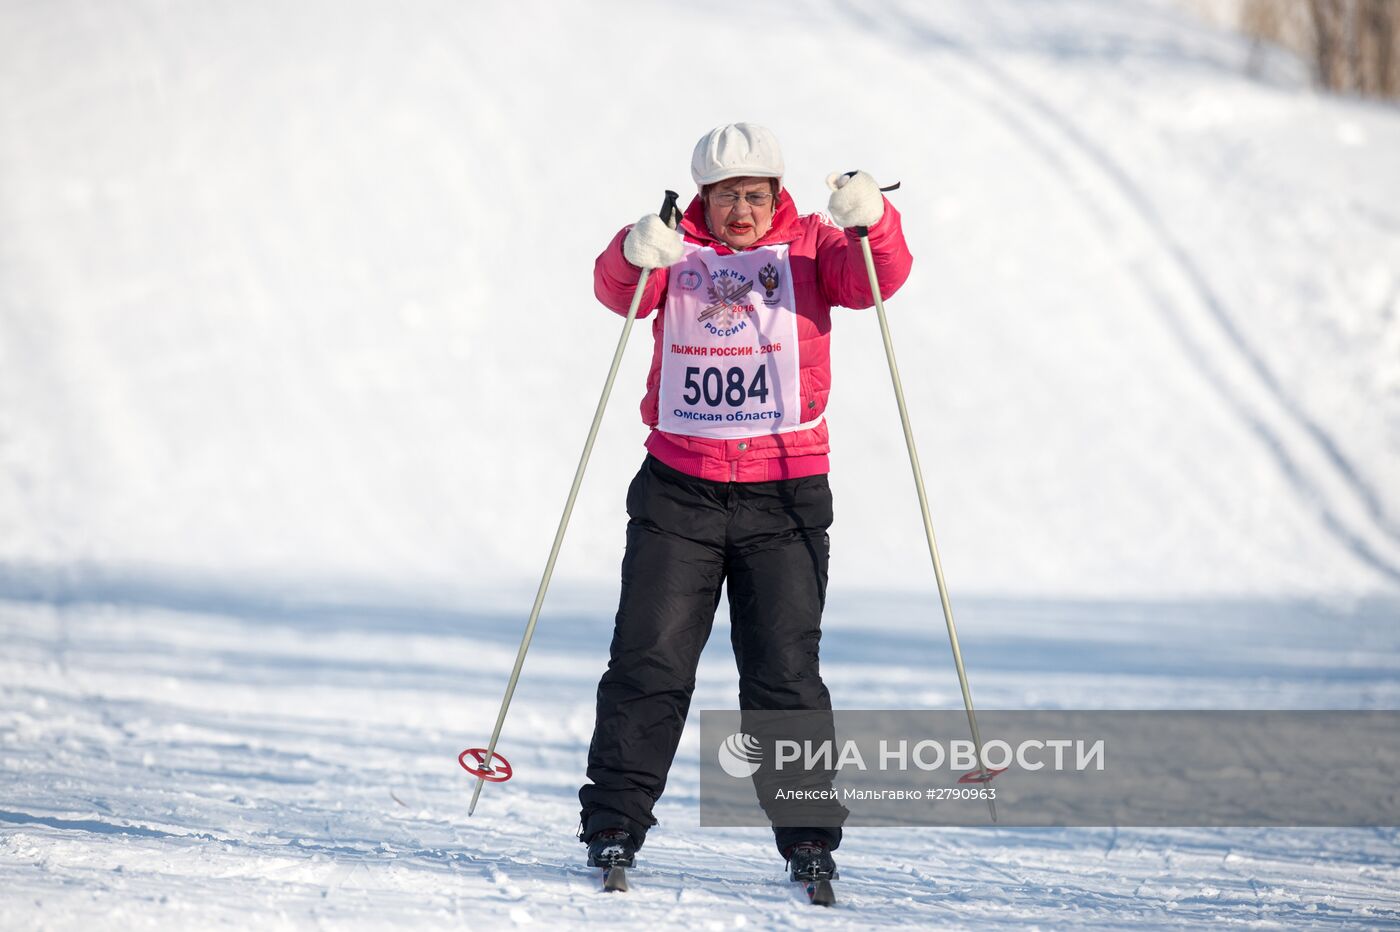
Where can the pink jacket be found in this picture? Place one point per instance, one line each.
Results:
(827, 269)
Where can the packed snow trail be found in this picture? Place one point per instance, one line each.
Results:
(1348, 506)
(196, 768)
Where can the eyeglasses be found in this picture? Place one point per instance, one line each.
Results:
(755, 199)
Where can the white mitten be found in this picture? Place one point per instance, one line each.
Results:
(651, 244)
(856, 200)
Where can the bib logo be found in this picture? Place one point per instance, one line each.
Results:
(689, 280)
(768, 277)
(727, 293)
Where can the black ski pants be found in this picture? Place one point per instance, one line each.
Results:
(687, 538)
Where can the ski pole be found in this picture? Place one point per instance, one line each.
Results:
(984, 774)
(483, 770)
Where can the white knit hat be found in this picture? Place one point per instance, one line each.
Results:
(734, 151)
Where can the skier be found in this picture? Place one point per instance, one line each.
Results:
(734, 487)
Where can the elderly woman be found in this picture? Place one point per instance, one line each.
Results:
(734, 487)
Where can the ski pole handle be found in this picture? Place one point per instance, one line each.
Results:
(670, 214)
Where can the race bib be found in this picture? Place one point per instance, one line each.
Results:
(730, 366)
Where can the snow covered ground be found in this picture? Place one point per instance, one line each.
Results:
(256, 761)
(297, 347)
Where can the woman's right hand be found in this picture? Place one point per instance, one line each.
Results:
(651, 244)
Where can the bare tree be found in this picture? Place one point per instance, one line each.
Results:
(1354, 45)
(1329, 18)
(1380, 59)
(1264, 22)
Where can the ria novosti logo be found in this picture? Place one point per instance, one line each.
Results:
(740, 755)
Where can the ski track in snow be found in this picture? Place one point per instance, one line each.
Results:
(1305, 453)
(195, 768)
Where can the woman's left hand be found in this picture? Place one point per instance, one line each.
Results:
(856, 200)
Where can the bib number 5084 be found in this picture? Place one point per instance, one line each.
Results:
(717, 386)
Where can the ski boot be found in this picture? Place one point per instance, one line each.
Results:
(614, 851)
(811, 864)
